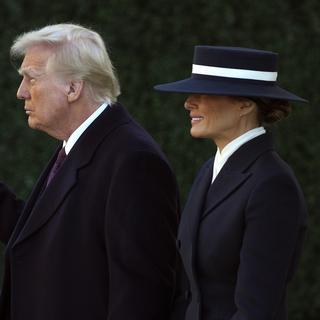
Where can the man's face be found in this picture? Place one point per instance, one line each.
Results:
(44, 93)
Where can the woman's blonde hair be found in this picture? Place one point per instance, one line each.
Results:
(79, 53)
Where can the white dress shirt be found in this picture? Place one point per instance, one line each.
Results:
(221, 157)
(83, 127)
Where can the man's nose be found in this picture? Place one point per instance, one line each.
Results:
(23, 91)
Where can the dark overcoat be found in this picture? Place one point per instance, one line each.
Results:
(99, 242)
(240, 238)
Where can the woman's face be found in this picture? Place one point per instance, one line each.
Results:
(215, 117)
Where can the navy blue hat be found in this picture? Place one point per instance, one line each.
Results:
(232, 71)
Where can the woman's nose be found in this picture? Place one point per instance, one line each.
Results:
(191, 102)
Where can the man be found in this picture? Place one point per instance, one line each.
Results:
(96, 238)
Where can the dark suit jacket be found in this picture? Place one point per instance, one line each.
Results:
(99, 242)
(240, 237)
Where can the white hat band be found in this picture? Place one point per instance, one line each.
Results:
(234, 73)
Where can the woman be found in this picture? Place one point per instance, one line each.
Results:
(241, 230)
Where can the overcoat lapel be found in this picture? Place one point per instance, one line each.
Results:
(49, 200)
(235, 172)
(80, 156)
(30, 203)
(222, 187)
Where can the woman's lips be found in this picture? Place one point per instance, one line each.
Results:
(196, 119)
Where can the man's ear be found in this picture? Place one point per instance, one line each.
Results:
(247, 106)
(74, 90)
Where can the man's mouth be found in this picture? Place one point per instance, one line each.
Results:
(27, 110)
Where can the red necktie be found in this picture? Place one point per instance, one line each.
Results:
(55, 168)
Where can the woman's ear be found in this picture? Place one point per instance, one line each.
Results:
(74, 90)
(247, 106)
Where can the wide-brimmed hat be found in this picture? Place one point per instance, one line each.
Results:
(232, 71)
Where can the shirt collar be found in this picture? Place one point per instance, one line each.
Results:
(83, 127)
(239, 141)
(221, 157)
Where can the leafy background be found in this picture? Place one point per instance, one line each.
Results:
(152, 42)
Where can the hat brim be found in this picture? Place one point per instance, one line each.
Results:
(225, 87)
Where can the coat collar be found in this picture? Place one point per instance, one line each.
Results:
(248, 153)
(42, 205)
(235, 171)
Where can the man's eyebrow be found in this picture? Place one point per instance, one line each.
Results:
(30, 71)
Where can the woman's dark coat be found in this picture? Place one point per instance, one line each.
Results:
(240, 237)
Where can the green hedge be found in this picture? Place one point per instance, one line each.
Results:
(152, 42)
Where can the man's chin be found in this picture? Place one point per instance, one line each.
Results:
(32, 124)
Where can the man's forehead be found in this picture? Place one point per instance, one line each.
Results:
(34, 61)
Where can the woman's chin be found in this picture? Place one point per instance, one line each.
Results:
(196, 133)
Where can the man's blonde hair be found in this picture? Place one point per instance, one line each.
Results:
(78, 53)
